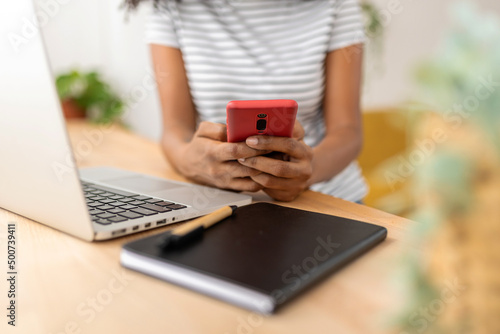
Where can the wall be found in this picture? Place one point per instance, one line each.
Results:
(94, 34)
(97, 35)
(414, 29)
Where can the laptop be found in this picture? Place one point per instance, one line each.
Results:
(38, 175)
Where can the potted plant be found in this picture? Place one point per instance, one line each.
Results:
(86, 95)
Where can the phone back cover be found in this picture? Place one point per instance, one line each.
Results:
(242, 117)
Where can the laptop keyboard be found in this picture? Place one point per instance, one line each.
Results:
(108, 205)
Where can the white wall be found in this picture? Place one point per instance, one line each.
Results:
(93, 34)
(412, 34)
(127, 61)
(72, 33)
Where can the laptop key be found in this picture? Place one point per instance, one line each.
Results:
(106, 215)
(128, 207)
(117, 219)
(95, 212)
(156, 208)
(105, 207)
(130, 215)
(137, 203)
(176, 207)
(141, 198)
(106, 201)
(96, 198)
(164, 203)
(117, 210)
(126, 199)
(116, 197)
(114, 191)
(94, 204)
(153, 200)
(117, 203)
(102, 221)
(144, 212)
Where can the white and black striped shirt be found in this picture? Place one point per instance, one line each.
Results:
(262, 49)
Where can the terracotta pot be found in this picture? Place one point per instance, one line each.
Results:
(71, 110)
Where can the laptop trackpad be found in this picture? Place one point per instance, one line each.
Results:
(142, 184)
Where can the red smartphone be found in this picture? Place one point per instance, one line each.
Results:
(260, 117)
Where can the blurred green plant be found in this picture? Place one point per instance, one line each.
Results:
(461, 84)
(374, 28)
(89, 92)
(469, 57)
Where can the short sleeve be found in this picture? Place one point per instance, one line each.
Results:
(160, 26)
(348, 27)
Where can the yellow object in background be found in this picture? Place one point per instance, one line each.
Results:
(386, 136)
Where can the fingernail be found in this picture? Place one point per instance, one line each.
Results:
(241, 159)
(252, 141)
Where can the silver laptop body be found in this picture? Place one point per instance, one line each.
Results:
(38, 176)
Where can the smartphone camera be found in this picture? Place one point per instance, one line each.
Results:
(261, 122)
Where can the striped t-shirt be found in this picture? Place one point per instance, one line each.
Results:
(259, 50)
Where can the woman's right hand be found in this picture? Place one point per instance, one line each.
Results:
(202, 155)
(209, 159)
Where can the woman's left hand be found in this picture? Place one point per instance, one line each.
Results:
(287, 178)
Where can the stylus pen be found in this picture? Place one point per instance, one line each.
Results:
(195, 228)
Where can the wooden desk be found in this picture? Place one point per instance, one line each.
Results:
(70, 286)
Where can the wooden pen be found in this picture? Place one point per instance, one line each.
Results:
(195, 228)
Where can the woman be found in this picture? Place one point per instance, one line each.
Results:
(206, 53)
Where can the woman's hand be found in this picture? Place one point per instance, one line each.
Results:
(210, 160)
(282, 179)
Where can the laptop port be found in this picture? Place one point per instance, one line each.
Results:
(161, 222)
(135, 228)
(118, 232)
(147, 225)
